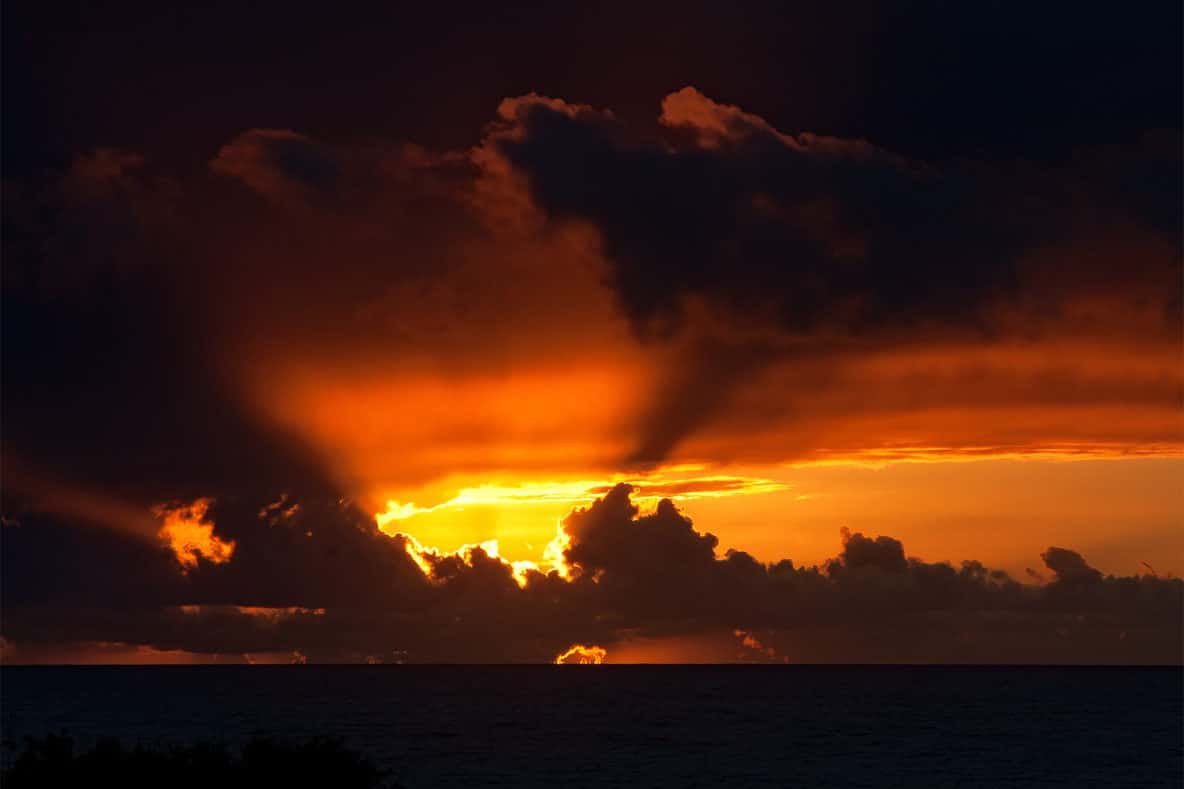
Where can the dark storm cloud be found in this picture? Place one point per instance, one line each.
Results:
(812, 230)
(631, 576)
(796, 241)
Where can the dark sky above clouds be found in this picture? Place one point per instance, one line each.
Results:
(263, 265)
(930, 80)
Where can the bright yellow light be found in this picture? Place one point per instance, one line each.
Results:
(418, 553)
(425, 556)
(664, 483)
(397, 512)
(553, 554)
(679, 483)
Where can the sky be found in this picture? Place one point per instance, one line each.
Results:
(635, 332)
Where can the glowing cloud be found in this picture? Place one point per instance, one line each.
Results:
(186, 531)
(553, 554)
(678, 483)
(648, 489)
(426, 557)
(580, 655)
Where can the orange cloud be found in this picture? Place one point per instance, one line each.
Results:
(578, 654)
(185, 530)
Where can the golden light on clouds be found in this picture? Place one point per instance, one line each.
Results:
(509, 377)
(580, 655)
(426, 557)
(527, 512)
(413, 426)
(479, 408)
(186, 531)
(648, 489)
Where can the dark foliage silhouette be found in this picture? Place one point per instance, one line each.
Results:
(318, 762)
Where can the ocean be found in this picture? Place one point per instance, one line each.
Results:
(670, 726)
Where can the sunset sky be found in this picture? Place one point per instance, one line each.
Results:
(472, 334)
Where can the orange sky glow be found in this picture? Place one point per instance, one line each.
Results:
(465, 347)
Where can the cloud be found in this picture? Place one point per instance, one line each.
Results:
(728, 292)
(633, 577)
(565, 297)
(281, 165)
(806, 231)
(758, 247)
(187, 533)
(655, 563)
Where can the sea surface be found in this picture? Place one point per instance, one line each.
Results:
(675, 726)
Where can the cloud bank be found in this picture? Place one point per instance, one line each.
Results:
(626, 576)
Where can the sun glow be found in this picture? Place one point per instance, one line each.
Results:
(493, 494)
(548, 499)
(649, 488)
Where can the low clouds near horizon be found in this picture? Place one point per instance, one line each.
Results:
(325, 585)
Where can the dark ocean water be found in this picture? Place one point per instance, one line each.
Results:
(650, 726)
